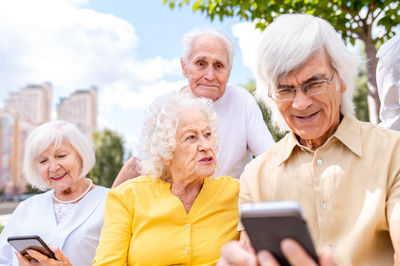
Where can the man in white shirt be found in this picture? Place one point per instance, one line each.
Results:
(207, 63)
(388, 81)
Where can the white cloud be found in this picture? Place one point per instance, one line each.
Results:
(248, 37)
(73, 47)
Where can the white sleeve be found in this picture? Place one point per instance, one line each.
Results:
(388, 81)
(258, 136)
(6, 250)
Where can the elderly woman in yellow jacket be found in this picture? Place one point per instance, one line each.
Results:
(176, 212)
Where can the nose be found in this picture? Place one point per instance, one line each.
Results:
(205, 144)
(301, 101)
(210, 75)
(53, 166)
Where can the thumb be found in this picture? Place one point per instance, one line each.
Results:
(59, 254)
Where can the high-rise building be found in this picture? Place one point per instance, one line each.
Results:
(32, 104)
(80, 108)
(13, 133)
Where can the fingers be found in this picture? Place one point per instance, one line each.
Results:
(60, 256)
(234, 254)
(295, 254)
(22, 261)
(326, 258)
(266, 259)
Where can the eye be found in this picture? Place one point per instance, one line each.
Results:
(42, 161)
(61, 155)
(219, 65)
(284, 91)
(208, 134)
(190, 137)
(201, 63)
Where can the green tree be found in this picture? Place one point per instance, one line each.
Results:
(353, 19)
(109, 157)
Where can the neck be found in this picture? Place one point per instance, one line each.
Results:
(67, 196)
(314, 144)
(186, 191)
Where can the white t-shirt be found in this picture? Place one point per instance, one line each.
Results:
(241, 129)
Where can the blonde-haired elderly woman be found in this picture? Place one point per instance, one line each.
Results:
(177, 213)
(69, 217)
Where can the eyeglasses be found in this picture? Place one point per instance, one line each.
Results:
(312, 88)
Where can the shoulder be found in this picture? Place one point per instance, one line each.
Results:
(140, 183)
(224, 182)
(238, 92)
(36, 198)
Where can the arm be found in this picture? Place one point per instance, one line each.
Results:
(117, 229)
(395, 236)
(128, 171)
(387, 78)
(258, 136)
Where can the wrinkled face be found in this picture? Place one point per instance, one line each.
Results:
(313, 117)
(194, 155)
(207, 69)
(60, 167)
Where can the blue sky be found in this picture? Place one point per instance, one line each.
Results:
(129, 49)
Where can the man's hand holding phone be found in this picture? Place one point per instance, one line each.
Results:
(235, 253)
(277, 232)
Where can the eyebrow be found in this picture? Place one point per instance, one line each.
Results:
(316, 77)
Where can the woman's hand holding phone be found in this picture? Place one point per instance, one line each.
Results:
(42, 259)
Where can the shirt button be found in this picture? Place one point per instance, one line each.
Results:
(319, 161)
(323, 205)
(187, 226)
(186, 249)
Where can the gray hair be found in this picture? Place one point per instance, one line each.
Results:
(287, 44)
(159, 129)
(55, 132)
(191, 36)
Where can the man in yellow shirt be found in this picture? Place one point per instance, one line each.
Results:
(343, 172)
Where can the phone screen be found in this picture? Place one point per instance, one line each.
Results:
(267, 224)
(22, 243)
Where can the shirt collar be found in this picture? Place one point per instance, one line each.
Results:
(348, 132)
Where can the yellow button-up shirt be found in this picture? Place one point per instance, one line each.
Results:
(145, 224)
(349, 188)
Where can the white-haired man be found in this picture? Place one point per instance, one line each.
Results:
(207, 63)
(343, 172)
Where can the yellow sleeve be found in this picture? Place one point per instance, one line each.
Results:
(117, 229)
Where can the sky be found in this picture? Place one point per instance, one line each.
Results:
(128, 49)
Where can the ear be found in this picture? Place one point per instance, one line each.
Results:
(342, 88)
(183, 66)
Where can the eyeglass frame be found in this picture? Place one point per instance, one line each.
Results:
(302, 87)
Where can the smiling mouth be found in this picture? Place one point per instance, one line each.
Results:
(59, 177)
(307, 117)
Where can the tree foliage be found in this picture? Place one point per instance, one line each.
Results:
(353, 19)
(109, 157)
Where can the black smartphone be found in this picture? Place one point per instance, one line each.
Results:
(268, 223)
(22, 243)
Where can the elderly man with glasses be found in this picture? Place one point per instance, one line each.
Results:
(344, 173)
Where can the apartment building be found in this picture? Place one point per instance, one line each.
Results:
(31, 104)
(81, 109)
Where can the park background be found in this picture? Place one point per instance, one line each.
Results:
(130, 51)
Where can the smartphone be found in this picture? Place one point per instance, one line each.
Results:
(22, 243)
(268, 223)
